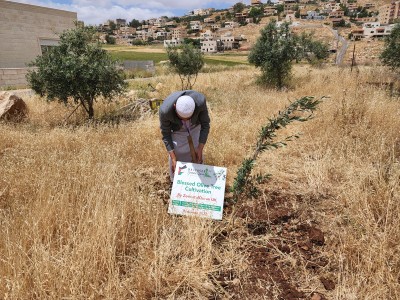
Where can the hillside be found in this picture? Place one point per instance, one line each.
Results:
(83, 207)
(377, 3)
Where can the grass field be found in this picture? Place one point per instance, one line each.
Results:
(158, 54)
(83, 212)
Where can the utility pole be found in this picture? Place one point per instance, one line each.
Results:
(353, 60)
(337, 46)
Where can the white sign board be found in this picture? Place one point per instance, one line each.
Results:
(198, 190)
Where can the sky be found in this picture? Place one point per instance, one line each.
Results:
(97, 12)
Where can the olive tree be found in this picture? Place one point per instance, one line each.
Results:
(77, 70)
(277, 48)
(273, 54)
(391, 53)
(187, 62)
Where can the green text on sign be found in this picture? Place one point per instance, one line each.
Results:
(196, 205)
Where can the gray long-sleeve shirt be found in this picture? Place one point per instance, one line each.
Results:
(169, 121)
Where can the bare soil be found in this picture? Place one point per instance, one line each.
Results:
(280, 240)
(291, 234)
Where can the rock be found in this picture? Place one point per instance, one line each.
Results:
(316, 236)
(281, 215)
(317, 296)
(12, 107)
(329, 285)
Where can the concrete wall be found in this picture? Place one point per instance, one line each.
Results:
(14, 77)
(23, 28)
(146, 65)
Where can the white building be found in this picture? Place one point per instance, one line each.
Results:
(173, 43)
(231, 24)
(160, 22)
(228, 41)
(196, 25)
(208, 35)
(162, 35)
(209, 47)
(375, 30)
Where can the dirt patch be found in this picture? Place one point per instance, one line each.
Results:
(281, 242)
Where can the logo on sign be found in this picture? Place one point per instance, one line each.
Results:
(180, 170)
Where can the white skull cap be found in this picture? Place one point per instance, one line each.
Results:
(185, 106)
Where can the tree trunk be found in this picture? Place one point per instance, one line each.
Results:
(90, 110)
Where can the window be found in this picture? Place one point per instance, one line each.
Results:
(46, 44)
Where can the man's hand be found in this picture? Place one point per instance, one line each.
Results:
(173, 161)
(199, 153)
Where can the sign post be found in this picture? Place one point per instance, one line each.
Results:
(198, 190)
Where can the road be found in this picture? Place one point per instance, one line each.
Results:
(339, 39)
(342, 51)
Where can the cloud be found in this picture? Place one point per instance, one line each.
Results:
(158, 4)
(97, 12)
(97, 15)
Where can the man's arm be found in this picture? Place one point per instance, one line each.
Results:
(165, 126)
(204, 119)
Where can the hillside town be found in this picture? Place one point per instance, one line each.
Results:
(340, 24)
(214, 30)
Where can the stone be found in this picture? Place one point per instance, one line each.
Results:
(12, 107)
(316, 296)
(316, 236)
(329, 285)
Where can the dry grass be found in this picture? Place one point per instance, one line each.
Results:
(82, 213)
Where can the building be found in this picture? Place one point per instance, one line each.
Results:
(126, 31)
(390, 12)
(144, 35)
(369, 5)
(196, 25)
(371, 30)
(290, 5)
(228, 41)
(208, 35)
(179, 33)
(215, 26)
(366, 20)
(357, 34)
(332, 6)
(249, 20)
(171, 24)
(27, 31)
(209, 20)
(231, 24)
(256, 3)
(120, 22)
(160, 22)
(269, 11)
(335, 14)
(173, 43)
(162, 35)
(201, 12)
(242, 16)
(209, 46)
